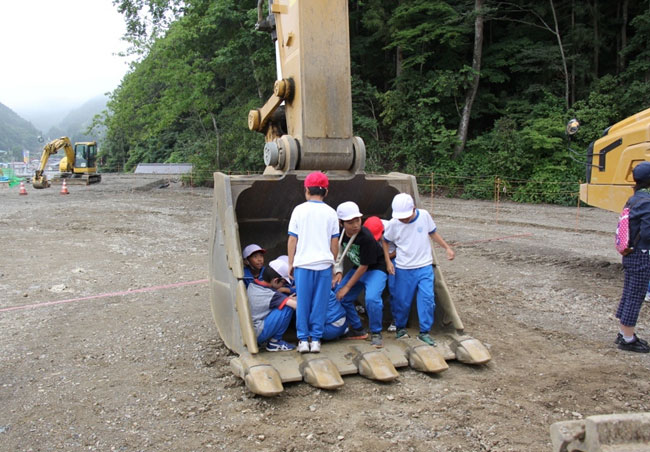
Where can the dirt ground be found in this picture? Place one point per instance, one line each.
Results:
(147, 371)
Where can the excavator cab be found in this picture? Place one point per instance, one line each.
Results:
(85, 155)
(611, 159)
(307, 124)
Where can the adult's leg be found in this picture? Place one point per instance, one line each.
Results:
(637, 275)
(425, 299)
(374, 282)
(275, 324)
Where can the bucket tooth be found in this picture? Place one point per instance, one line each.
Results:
(426, 359)
(321, 373)
(423, 357)
(471, 351)
(375, 365)
(260, 378)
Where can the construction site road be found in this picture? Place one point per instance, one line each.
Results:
(108, 343)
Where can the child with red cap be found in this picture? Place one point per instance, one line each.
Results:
(312, 246)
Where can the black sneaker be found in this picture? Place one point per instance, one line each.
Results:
(353, 334)
(634, 346)
(619, 339)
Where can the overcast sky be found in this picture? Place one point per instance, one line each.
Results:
(58, 53)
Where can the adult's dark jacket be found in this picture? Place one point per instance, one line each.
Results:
(640, 220)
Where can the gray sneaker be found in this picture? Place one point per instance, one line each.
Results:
(376, 340)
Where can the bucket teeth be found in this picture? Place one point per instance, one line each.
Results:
(321, 373)
(470, 351)
(260, 378)
(375, 365)
(426, 359)
(423, 357)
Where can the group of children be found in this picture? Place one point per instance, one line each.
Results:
(397, 252)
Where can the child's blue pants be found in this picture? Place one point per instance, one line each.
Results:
(406, 284)
(275, 324)
(313, 290)
(374, 282)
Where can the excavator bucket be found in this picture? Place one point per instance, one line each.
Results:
(307, 124)
(256, 209)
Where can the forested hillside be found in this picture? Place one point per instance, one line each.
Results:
(466, 89)
(16, 134)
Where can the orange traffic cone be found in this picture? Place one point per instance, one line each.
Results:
(22, 188)
(64, 188)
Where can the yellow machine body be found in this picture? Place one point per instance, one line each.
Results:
(78, 165)
(612, 158)
(307, 125)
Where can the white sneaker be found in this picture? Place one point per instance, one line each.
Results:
(392, 328)
(314, 346)
(303, 347)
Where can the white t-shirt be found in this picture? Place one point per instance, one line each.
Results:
(412, 240)
(314, 223)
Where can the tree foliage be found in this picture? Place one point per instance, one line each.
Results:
(203, 65)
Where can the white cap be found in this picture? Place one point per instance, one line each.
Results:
(402, 206)
(282, 268)
(250, 249)
(285, 258)
(347, 211)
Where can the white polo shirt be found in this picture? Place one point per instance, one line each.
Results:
(412, 240)
(314, 223)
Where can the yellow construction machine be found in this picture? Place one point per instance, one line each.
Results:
(307, 124)
(610, 161)
(78, 165)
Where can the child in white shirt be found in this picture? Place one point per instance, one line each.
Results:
(409, 230)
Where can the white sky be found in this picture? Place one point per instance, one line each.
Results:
(58, 53)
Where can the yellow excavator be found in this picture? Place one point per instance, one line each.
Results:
(611, 159)
(609, 184)
(79, 165)
(307, 124)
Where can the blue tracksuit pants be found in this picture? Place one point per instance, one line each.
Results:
(275, 324)
(313, 290)
(391, 291)
(374, 281)
(407, 282)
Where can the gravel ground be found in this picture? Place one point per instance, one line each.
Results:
(86, 366)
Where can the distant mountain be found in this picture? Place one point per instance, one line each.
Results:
(16, 134)
(75, 124)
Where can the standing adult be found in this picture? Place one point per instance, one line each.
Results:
(636, 265)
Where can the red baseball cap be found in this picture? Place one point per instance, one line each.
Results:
(375, 226)
(317, 179)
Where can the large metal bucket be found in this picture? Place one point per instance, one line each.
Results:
(256, 209)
